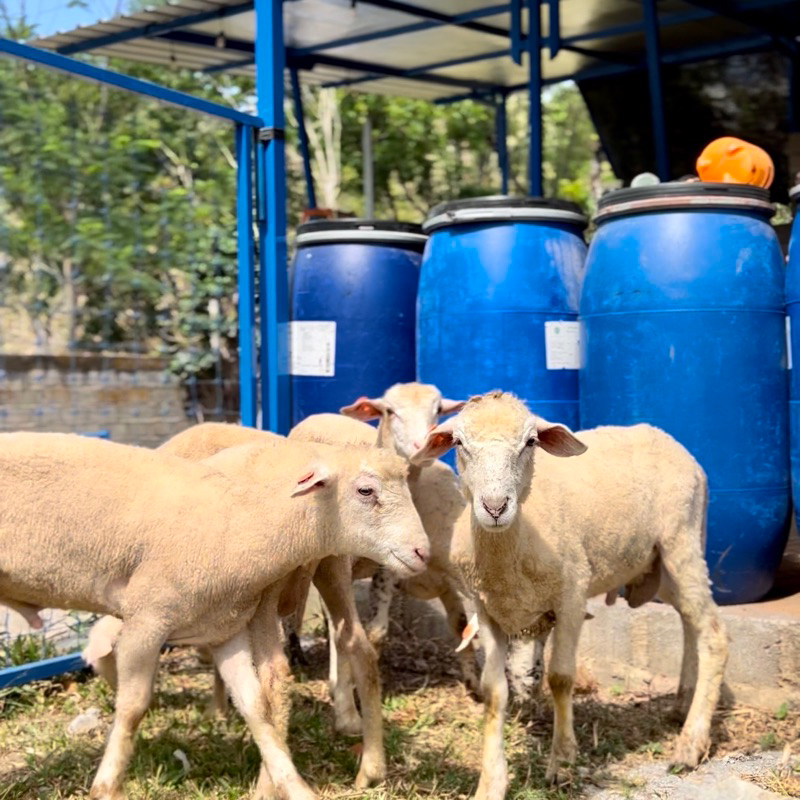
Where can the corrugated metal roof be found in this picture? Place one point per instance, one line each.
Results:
(328, 39)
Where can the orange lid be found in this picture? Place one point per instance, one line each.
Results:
(732, 160)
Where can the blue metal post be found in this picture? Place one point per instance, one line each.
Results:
(554, 34)
(248, 391)
(656, 92)
(271, 186)
(302, 135)
(535, 94)
(501, 133)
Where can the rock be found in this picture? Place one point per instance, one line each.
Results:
(85, 723)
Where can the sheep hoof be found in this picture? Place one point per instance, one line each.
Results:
(494, 789)
(106, 793)
(561, 760)
(371, 773)
(688, 754)
(348, 725)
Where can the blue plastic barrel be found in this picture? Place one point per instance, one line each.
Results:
(683, 327)
(353, 290)
(793, 329)
(498, 301)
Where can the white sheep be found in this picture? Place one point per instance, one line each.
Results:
(407, 412)
(98, 526)
(532, 546)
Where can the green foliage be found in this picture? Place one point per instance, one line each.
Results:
(24, 650)
(117, 215)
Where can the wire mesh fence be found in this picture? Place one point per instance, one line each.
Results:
(118, 304)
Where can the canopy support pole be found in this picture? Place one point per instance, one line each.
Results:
(534, 43)
(302, 135)
(501, 134)
(656, 91)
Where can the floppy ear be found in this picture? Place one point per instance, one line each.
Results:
(318, 476)
(438, 441)
(365, 409)
(451, 406)
(558, 440)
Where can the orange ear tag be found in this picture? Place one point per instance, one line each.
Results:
(469, 633)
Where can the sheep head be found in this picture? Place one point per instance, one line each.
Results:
(407, 412)
(496, 437)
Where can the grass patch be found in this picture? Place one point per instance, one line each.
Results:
(433, 736)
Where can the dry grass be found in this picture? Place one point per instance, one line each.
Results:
(433, 737)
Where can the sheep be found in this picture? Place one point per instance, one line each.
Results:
(110, 528)
(529, 547)
(407, 412)
(202, 441)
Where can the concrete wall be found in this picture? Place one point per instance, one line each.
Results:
(136, 399)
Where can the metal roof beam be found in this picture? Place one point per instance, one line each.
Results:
(382, 71)
(437, 16)
(740, 46)
(414, 27)
(155, 28)
(455, 62)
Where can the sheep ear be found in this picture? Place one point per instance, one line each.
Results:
(451, 406)
(438, 441)
(317, 477)
(365, 409)
(558, 440)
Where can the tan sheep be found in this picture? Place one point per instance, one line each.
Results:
(97, 526)
(532, 546)
(406, 411)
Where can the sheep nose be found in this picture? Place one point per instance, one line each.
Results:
(422, 554)
(495, 506)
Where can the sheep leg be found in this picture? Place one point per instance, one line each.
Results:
(137, 651)
(334, 580)
(526, 667)
(561, 679)
(381, 591)
(234, 660)
(689, 592)
(688, 679)
(274, 675)
(346, 719)
(457, 619)
(494, 770)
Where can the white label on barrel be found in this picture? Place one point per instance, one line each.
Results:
(788, 343)
(312, 347)
(562, 344)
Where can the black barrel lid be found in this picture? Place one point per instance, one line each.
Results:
(682, 195)
(502, 208)
(330, 231)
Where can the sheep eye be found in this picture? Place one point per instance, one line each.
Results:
(439, 409)
(531, 442)
(365, 491)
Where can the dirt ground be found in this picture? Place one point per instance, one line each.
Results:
(433, 740)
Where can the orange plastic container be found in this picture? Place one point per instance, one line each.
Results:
(731, 160)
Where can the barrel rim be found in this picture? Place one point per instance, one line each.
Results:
(682, 195)
(336, 231)
(503, 208)
(794, 192)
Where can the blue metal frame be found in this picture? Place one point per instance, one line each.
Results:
(656, 92)
(271, 190)
(501, 134)
(154, 28)
(248, 388)
(437, 16)
(81, 69)
(534, 43)
(516, 31)
(302, 136)
(40, 670)
(554, 27)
